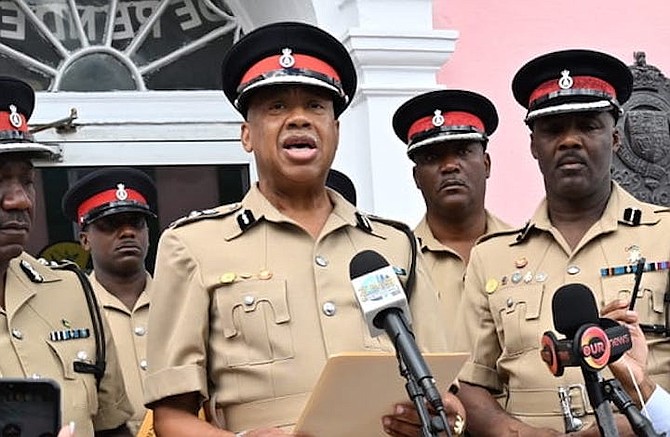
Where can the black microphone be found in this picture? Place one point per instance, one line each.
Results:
(561, 353)
(576, 315)
(385, 309)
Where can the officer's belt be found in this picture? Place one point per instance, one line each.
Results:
(535, 402)
(277, 412)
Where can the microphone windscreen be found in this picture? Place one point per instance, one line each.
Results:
(573, 305)
(366, 262)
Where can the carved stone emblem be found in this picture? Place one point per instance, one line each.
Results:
(642, 163)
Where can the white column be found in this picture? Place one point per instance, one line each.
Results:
(397, 54)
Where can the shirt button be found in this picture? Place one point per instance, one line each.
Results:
(573, 270)
(82, 356)
(323, 262)
(17, 334)
(249, 300)
(140, 330)
(143, 364)
(329, 309)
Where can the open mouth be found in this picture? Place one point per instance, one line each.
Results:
(298, 143)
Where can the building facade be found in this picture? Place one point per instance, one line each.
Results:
(136, 82)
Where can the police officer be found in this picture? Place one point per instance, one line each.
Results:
(446, 133)
(50, 325)
(112, 207)
(587, 230)
(255, 296)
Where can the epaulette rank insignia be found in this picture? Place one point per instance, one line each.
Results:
(632, 216)
(363, 222)
(524, 232)
(30, 271)
(245, 219)
(197, 215)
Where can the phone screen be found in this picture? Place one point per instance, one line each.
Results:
(29, 408)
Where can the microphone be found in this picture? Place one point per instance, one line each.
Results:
(385, 309)
(591, 341)
(575, 315)
(377, 289)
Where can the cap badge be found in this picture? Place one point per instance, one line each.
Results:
(14, 117)
(286, 60)
(565, 82)
(438, 118)
(121, 192)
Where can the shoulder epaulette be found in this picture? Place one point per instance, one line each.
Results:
(393, 223)
(30, 271)
(203, 214)
(62, 264)
(520, 231)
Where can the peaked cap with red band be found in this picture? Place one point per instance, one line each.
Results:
(442, 116)
(109, 191)
(17, 100)
(572, 81)
(288, 53)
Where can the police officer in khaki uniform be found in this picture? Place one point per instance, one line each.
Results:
(254, 297)
(112, 207)
(446, 133)
(587, 230)
(50, 327)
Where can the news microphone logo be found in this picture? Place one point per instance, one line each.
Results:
(592, 343)
(595, 347)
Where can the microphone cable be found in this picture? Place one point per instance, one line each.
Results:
(637, 390)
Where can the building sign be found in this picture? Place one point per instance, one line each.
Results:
(168, 44)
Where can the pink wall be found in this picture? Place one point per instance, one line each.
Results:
(498, 37)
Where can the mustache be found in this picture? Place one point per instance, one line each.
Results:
(571, 158)
(452, 181)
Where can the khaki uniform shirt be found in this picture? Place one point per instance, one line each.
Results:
(510, 283)
(251, 307)
(447, 268)
(40, 303)
(129, 329)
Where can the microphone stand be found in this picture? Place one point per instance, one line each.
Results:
(615, 393)
(604, 416)
(429, 427)
(416, 395)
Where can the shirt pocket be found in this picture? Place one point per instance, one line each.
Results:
(650, 298)
(517, 313)
(79, 390)
(255, 319)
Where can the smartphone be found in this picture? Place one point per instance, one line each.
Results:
(29, 407)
